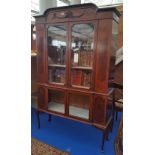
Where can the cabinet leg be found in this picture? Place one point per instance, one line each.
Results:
(49, 117)
(103, 141)
(38, 119)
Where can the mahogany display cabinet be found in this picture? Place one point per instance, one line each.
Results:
(75, 63)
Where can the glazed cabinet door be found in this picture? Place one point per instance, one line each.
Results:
(82, 49)
(80, 105)
(56, 101)
(57, 40)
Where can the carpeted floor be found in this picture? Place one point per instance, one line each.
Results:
(39, 148)
(70, 136)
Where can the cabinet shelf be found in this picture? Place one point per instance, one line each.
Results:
(57, 107)
(74, 111)
(56, 65)
(82, 67)
(79, 112)
(57, 83)
(76, 86)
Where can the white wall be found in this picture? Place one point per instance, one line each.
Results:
(75, 2)
(45, 4)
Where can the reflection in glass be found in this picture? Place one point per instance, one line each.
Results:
(82, 44)
(56, 53)
(81, 78)
(82, 54)
(57, 75)
(56, 101)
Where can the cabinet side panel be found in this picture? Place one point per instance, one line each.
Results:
(99, 110)
(40, 37)
(112, 52)
(41, 98)
(103, 55)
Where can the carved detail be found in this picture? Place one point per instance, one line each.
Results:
(67, 14)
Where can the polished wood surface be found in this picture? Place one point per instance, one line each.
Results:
(40, 40)
(76, 13)
(33, 68)
(95, 98)
(120, 27)
(102, 58)
(42, 98)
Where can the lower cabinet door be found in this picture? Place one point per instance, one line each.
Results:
(79, 105)
(56, 101)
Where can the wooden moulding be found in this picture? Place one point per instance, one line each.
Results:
(87, 11)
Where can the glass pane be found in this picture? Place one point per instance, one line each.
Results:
(56, 101)
(82, 54)
(81, 78)
(79, 105)
(82, 44)
(57, 75)
(57, 53)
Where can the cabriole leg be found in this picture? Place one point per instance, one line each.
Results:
(103, 141)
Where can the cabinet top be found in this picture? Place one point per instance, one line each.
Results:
(79, 6)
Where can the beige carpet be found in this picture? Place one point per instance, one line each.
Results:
(40, 148)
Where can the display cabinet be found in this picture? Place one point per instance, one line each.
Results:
(33, 68)
(75, 64)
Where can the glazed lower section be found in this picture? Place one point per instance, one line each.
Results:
(87, 106)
